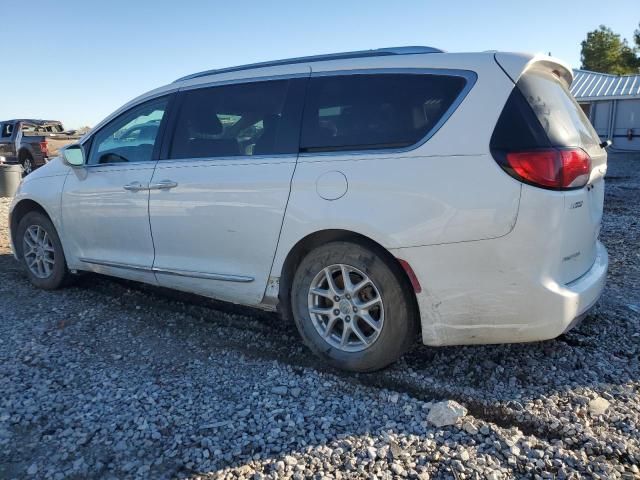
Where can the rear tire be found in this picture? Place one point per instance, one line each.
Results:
(27, 165)
(41, 252)
(362, 326)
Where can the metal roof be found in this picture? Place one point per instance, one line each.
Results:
(318, 58)
(603, 86)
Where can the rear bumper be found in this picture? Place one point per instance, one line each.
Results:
(583, 293)
(476, 299)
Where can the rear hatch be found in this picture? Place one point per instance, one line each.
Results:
(544, 139)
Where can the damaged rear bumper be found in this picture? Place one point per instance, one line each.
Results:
(479, 300)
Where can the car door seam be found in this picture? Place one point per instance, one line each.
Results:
(153, 243)
(293, 174)
(61, 216)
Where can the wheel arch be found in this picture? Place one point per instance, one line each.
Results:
(313, 240)
(17, 214)
(23, 153)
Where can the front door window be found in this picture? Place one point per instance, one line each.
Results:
(131, 137)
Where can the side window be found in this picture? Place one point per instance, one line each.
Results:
(237, 120)
(354, 112)
(131, 136)
(7, 130)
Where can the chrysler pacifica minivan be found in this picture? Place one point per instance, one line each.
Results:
(373, 197)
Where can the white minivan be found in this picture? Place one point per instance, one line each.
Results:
(370, 196)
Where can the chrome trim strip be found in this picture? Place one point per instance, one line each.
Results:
(163, 185)
(208, 276)
(169, 271)
(135, 187)
(104, 263)
(450, 72)
(111, 165)
(235, 160)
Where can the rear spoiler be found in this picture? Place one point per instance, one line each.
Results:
(515, 64)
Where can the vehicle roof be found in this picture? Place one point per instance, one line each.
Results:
(379, 52)
(514, 64)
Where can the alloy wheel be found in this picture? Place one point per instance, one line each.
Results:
(39, 253)
(27, 166)
(346, 308)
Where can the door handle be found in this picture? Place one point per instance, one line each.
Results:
(135, 187)
(163, 185)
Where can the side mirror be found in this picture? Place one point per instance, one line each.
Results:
(73, 155)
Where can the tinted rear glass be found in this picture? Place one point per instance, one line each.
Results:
(353, 112)
(518, 128)
(237, 120)
(558, 113)
(7, 130)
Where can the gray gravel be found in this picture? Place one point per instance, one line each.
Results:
(113, 379)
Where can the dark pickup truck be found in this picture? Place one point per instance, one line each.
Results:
(31, 143)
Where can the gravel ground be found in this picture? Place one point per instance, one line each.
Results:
(113, 379)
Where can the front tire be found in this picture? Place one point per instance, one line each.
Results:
(41, 252)
(352, 306)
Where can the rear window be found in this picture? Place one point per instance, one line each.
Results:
(354, 112)
(50, 127)
(559, 114)
(7, 130)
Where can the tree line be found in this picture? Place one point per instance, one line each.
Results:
(606, 51)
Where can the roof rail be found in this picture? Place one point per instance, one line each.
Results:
(319, 58)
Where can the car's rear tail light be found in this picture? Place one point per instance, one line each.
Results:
(550, 168)
(44, 148)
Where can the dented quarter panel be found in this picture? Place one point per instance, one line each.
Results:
(508, 289)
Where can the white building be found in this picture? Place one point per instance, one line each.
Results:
(612, 103)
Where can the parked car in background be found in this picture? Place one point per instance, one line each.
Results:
(368, 195)
(31, 143)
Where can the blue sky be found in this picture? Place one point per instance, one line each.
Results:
(78, 60)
